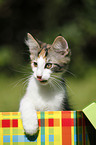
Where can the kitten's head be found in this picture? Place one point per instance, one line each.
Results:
(47, 59)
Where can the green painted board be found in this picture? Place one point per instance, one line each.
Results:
(90, 112)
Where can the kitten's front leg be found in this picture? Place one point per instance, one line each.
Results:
(29, 116)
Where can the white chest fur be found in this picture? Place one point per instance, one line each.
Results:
(44, 97)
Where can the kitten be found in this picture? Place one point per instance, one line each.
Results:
(46, 89)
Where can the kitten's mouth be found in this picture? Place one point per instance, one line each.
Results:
(42, 81)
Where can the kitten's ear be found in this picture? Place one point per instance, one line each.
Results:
(60, 50)
(32, 44)
(60, 46)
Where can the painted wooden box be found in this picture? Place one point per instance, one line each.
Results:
(55, 128)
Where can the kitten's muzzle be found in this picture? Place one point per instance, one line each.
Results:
(39, 78)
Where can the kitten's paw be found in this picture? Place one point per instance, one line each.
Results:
(31, 128)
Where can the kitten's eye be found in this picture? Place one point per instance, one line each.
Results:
(35, 64)
(48, 65)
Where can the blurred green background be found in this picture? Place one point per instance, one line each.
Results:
(45, 20)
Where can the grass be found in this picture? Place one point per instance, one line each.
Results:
(82, 91)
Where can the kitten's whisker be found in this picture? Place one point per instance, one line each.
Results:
(18, 82)
(25, 82)
(21, 71)
(51, 83)
(58, 77)
(62, 83)
(26, 70)
(57, 84)
(71, 73)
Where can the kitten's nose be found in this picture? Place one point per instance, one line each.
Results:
(39, 77)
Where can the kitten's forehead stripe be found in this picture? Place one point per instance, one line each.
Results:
(42, 53)
(44, 50)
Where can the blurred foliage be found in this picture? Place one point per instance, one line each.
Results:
(5, 56)
(45, 20)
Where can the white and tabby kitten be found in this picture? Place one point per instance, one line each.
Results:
(46, 88)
